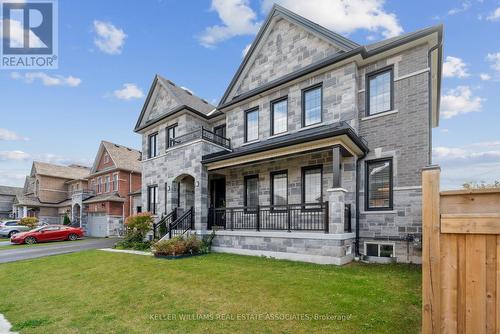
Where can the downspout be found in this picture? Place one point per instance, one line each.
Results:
(129, 196)
(429, 64)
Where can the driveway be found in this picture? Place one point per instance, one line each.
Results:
(17, 253)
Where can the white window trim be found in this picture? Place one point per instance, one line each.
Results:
(393, 244)
(99, 185)
(107, 184)
(117, 182)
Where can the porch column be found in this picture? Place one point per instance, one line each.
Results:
(336, 171)
(336, 205)
(25, 211)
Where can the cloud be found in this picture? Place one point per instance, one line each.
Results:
(460, 101)
(13, 177)
(14, 155)
(109, 39)
(454, 67)
(10, 135)
(476, 162)
(465, 6)
(494, 59)
(17, 35)
(237, 19)
(494, 16)
(245, 50)
(47, 80)
(485, 76)
(128, 92)
(344, 16)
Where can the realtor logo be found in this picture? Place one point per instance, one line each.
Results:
(29, 34)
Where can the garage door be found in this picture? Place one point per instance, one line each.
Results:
(97, 226)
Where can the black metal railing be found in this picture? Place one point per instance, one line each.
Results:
(161, 228)
(290, 217)
(200, 133)
(182, 224)
(347, 218)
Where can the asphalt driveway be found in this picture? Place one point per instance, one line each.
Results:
(17, 253)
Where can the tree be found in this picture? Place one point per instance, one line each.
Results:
(66, 220)
(481, 185)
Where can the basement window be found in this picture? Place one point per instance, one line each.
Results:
(379, 249)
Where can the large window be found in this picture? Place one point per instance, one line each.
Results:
(106, 183)
(379, 90)
(152, 199)
(152, 145)
(251, 190)
(171, 135)
(251, 125)
(115, 182)
(312, 184)
(279, 188)
(379, 184)
(312, 104)
(99, 184)
(220, 130)
(279, 116)
(379, 250)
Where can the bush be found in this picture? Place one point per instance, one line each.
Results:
(66, 220)
(178, 246)
(30, 222)
(135, 245)
(137, 226)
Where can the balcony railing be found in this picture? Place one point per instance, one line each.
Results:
(200, 133)
(290, 217)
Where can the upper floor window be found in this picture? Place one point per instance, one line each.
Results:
(279, 188)
(251, 125)
(106, 183)
(92, 185)
(378, 184)
(99, 184)
(312, 105)
(152, 199)
(171, 135)
(106, 158)
(251, 190)
(220, 130)
(379, 91)
(152, 145)
(115, 182)
(279, 116)
(312, 191)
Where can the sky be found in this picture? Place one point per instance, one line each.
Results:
(109, 52)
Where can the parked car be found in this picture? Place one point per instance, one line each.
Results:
(9, 222)
(47, 233)
(11, 227)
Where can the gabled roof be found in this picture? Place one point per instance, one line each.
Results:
(112, 197)
(11, 191)
(277, 10)
(123, 157)
(184, 98)
(65, 172)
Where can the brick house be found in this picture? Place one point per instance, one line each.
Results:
(47, 191)
(112, 191)
(314, 152)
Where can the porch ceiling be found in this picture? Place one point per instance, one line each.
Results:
(300, 142)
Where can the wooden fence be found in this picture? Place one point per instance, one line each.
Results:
(460, 259)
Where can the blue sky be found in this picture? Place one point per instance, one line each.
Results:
(109, 52)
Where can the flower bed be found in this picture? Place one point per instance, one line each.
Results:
(181, 246)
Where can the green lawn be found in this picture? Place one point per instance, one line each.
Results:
(99, 292)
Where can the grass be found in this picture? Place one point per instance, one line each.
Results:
(99, 292)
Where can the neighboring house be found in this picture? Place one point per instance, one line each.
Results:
(314, 152)
(47, 191)
(114, 184)
(7, 199)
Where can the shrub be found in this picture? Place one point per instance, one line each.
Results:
(30, 222)
(137, 226)
(135, 245)
(206, 242)
(178, 246)
(66, 220)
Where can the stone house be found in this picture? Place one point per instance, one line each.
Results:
(7, 199)
(47, 191)
(314, 152)
(111, 191)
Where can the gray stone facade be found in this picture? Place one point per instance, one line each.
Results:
(402, 134)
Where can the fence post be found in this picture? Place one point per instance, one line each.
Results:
(170, 230)
(326, 218)
(258, 217)
(289, 218)
(431, 252)
(231, 221)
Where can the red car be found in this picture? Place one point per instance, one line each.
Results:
(47, 233)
